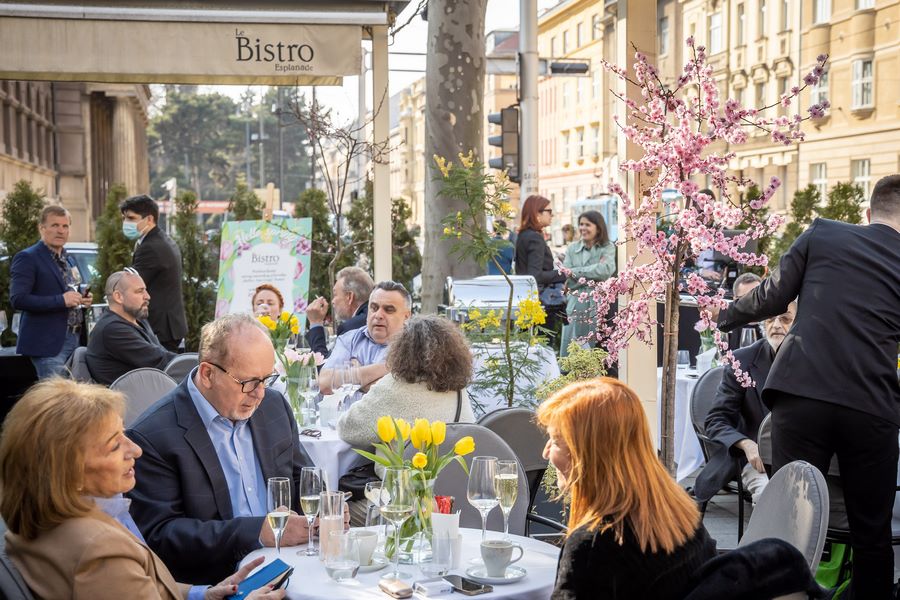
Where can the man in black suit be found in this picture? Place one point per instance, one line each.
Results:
(209, 447)
(349, 306)
(158, 260)
(833, 385)
(122, 340)
(737, 411)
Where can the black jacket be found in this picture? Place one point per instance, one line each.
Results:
(180, 500)
(116, 347)
(735, 415)
(315, 337)
(842, 347)
(533, 257)
(158, 261)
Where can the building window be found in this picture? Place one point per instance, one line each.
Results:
(761, 24)
(739, 96)
(785, 15)
(862, 4)
(862, 83)
(860, 170)
(782, 91)
(553, 47)
(760, 94)
(595, 27)
(579, 150)
(821, 11)
(741, 20)
(579, 91)
(819, 91)
(565, 48)
(595, 131)
(579, 30)
(663, 35)
(715, 32)
(565, 94)
(818, 176)
(566, 141)
(597, 82)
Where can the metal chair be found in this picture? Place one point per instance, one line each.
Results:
(179, 367)
(142, 388)
(12, 585)
(77, 366)
(699, 405)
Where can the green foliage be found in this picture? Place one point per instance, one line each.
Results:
(406, 260)
(580, 364)
(198, 289)
(114, 250)
(844, 203)
(19, 222)
(245, 205)
(313, 203)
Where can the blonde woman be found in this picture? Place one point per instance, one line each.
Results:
(633, 532)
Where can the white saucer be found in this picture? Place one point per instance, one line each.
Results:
(513, 574)
(377, 565)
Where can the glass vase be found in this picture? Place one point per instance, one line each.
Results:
(415, 533)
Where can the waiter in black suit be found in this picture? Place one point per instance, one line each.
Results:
(833, 386)
(158, 260)
(349, 306)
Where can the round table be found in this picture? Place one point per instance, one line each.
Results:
(331, 454)
(310, 581)
(688, 453)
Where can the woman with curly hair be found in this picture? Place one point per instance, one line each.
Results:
(633, 532)
(429, 366)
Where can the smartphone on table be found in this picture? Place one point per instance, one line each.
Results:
(467, 587)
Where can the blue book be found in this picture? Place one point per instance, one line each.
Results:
(276, 573)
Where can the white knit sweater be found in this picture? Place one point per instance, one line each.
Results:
(398, 399)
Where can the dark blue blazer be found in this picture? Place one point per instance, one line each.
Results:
(181, 502)
(36, 289)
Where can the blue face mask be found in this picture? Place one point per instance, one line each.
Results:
(130, 230)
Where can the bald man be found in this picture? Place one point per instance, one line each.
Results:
(122, 339)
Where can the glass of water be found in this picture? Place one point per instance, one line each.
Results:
(342, 562)
(440, 562)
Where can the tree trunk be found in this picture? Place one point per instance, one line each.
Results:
(454, 123)
(670, 364)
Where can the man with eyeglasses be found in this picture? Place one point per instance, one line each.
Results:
(209, 447)
(122, 339)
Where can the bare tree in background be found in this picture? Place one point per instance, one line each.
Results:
(345, 144)
(454, 123)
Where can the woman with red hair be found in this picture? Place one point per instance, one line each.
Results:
(533, 257)
(633, 532)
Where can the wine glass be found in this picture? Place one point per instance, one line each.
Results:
(748, 336)
(375, 498)
(398, 506)
(506, 480)
(278, 506)
(684, 359)
(17, 317)
(481, 491)
(311, 479)
(3, 322)
(309, 409)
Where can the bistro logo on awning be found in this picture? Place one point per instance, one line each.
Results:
(285, 56)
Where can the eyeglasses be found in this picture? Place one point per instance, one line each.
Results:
(547, 210)
(248, 385)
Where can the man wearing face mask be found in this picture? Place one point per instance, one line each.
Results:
(733, 421)
(158, 261)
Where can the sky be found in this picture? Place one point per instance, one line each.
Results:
(501, 14)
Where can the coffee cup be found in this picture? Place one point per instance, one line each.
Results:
(497, 555)
(367, 541)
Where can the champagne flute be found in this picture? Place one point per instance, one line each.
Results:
(748, 336)
(311, 479)
(16, 319)
(481, 491)
(3, 323)
(278, 501)
(506, 480)
(398, 507)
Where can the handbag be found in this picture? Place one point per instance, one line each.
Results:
(552, 295)
(355, 480)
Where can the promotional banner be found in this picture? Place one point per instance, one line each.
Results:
(257, 252)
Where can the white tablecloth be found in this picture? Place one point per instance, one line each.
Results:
(548, 369)
(311, 582)
(331, 453)
(688, 454)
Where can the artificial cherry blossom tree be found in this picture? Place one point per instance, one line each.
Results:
(675, 126)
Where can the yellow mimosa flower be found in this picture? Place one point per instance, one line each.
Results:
(404, 428)
(385, 428)
(438, 432)
(464, 446)
(442, 165)
(419, 460)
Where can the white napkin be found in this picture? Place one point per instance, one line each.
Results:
(704, 360)
(445, 525)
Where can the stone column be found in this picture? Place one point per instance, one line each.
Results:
(123, 146)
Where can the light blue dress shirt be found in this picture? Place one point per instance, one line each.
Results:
(233, 443)
(117, 508)
(356, 345)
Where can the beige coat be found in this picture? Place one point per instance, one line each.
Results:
(93, 557)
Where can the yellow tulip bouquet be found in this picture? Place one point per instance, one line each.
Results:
(426, 437)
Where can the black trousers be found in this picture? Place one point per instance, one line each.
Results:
(866, 448)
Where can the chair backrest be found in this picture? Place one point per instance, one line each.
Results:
(453, 481)
(518, 428)
(181, 365)
(142, 387)
(794, 508)
(12, 585)
(701, 401)
(764, 441)
(77, 366)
